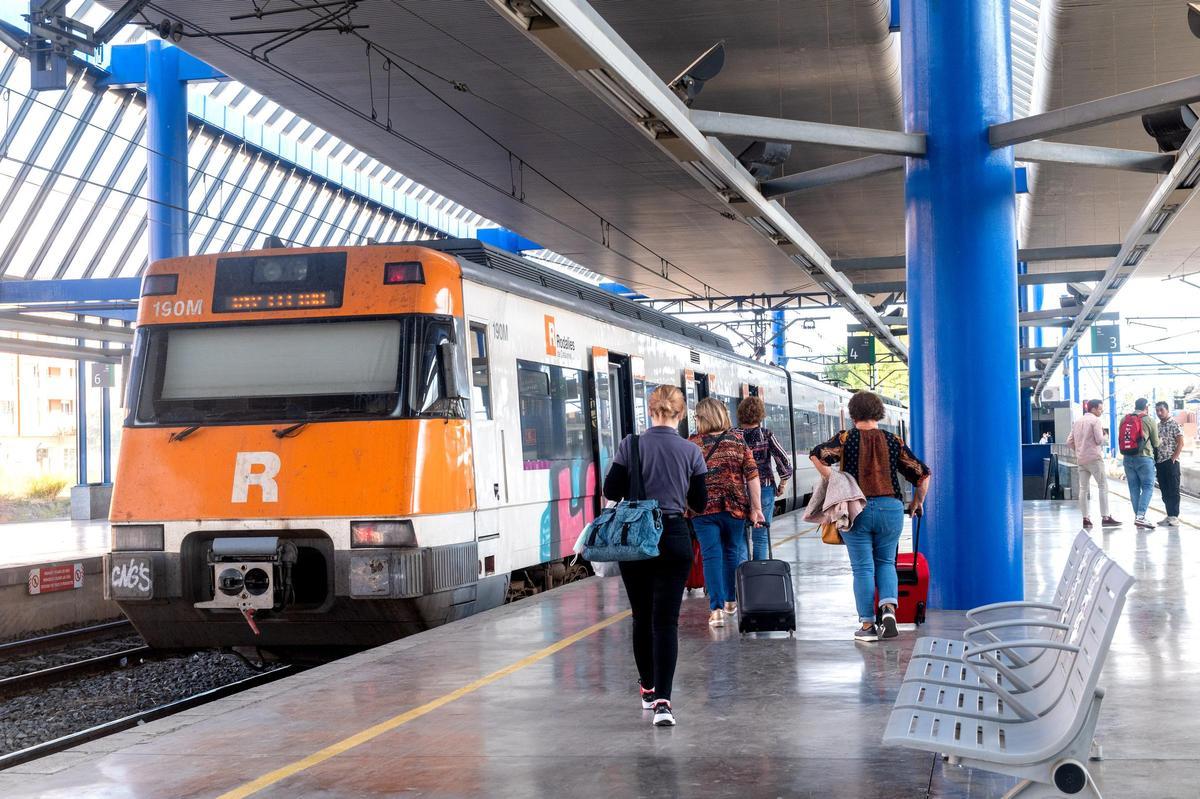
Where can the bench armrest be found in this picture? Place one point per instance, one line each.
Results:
(975, 614)
(990, 629)
(987, 653)
(1018, 643)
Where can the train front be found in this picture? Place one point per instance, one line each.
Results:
(295, 465)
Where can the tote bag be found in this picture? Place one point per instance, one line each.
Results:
(631, 529)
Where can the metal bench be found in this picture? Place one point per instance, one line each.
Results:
(1006, 661)
(1060, 608)
(1047, 751)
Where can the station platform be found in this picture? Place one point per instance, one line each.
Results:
(69, 556)
(539, 698)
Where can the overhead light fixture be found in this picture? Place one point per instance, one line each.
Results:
(808, 324)
(763, 159)
(1194, 18)
(690, 82)
(1170, 128)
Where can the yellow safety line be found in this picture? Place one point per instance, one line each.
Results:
(794, 536)
(1154, 508)
(371, 733)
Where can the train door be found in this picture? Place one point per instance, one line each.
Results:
(688, 423)
(491, 480)
(621, 389)
(603, 422)
(637, 375)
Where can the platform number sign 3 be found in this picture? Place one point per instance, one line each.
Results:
(1106, 338)
(860, 349)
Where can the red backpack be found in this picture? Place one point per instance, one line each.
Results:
(1129, 436)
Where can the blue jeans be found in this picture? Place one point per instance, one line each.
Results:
(1139, 473)
(761, 534)
(871, 543)
(722, 539)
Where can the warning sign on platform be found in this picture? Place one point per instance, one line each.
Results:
(46, 579)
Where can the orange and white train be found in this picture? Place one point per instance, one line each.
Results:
(335, 447)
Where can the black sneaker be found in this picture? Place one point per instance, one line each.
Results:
(887, 623)
(663, 717)
(866, 633)
(647, 697)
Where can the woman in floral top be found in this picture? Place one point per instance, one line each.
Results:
(876, 459)
(734, 498)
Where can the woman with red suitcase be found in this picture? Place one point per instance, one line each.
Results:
(877, 459)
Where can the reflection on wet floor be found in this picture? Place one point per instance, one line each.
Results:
(758, 716)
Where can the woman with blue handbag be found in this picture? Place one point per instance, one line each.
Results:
(671, 471)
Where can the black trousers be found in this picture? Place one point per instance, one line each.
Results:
(1168, 484)
(655, 589)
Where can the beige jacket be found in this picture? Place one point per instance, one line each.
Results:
(838, 500)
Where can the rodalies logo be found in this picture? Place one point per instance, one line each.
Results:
(556, 344)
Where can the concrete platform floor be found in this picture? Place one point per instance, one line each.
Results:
(538, 699)
(33, 543)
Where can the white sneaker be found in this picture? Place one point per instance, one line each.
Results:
(1166, 522)
(1172, 521)
(1141, 522)
(663, 717)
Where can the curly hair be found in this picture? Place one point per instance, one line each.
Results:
(865, 406)
(751, 411)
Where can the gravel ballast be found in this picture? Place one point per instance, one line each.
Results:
(67, 707)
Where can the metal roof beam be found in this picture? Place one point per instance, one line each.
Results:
(1096, 112)
(64, 328)
(1062, 320)
(1047, 152)
(835, 173)
(48, 350)
(1163, 207)
(576, 36)
(1030, 254)
(846, 137)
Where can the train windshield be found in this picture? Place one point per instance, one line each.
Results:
(300, 370)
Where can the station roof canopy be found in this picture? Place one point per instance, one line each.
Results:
(460, 98)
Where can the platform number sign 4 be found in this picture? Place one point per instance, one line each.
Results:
(860, 349)
(1106, 338)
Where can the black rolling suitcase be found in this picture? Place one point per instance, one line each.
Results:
(765, 597)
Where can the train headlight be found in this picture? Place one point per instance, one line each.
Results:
(257, 582)
(230, 582)
(137, 537)
(382, 533)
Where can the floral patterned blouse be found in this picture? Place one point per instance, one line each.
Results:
(730, 466)
(876, 458)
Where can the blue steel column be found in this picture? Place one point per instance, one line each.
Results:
(1023, 341)
(779, 342)
(962, 296)
(1075, 375)
(166, 134)
(1112, 407)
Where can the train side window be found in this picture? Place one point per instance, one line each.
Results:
(554, 419)
(429, 393)
(481, 389)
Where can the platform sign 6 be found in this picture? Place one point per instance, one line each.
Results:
(1106, 338)
(47, 579)
(860, 349)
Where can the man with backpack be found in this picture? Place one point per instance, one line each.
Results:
(1137, 440)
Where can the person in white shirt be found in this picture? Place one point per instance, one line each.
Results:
(1087, 442)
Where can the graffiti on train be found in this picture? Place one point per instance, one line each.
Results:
(572, 485)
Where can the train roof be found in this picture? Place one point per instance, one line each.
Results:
(522, 273)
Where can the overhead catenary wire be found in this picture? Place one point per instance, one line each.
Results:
(430, 152)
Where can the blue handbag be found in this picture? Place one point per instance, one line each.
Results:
(631, 529)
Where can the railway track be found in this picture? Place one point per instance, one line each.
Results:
(133, 720)
(40, 643)
(40, 678)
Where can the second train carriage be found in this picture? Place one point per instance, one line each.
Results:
(336, 447)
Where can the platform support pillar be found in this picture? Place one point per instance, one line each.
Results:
(1112, 407)
(166, 139)
(962, 294)
(779, 339)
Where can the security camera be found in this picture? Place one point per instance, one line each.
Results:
(762, 159)
(689, 82)
(1170, 128)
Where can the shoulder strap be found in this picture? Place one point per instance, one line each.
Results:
(637, 491)
(713, 448)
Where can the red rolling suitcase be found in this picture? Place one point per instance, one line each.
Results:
(914, 583)
(696, 575)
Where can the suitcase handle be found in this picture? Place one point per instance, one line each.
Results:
(750, 542)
